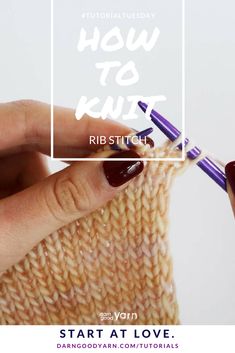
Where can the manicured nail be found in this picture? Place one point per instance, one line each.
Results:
(120, 172)
(230, 174)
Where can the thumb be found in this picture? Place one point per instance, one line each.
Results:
(230, 174)
(30, 215)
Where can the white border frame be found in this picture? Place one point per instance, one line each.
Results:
(182, 159)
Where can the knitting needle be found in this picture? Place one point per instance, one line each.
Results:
(140, 135)
(206, 164)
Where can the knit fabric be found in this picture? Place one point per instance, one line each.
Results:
(113, 264)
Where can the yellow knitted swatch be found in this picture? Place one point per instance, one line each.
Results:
(115, 260)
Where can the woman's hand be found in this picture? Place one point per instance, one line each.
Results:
(33, 203)
(230, 173)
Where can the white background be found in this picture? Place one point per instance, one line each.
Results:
(159, 70)
(191, 339)
(202, 230)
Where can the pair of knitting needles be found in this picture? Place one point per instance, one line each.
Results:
(205, 162)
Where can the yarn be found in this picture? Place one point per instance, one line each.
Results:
(115, 260)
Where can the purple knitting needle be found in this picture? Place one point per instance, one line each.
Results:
(209, 167)
(141, 135)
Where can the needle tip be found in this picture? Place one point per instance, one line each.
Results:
(142, 106)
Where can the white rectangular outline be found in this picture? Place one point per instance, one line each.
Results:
(182, 159)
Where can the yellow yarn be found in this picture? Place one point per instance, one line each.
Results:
(114, 260)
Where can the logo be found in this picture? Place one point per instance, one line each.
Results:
(117, 316)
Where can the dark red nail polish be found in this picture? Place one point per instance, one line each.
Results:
(230, 174)
(120, 172)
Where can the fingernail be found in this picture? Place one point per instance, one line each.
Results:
(120, 172)
(230, 174)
